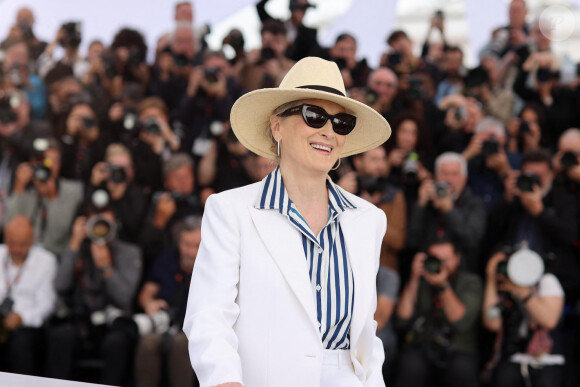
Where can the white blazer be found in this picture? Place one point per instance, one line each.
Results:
(251, 315)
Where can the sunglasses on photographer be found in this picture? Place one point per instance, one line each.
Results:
(316, 117)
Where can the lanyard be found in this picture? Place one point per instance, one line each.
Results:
(10, 284)
(40, 209)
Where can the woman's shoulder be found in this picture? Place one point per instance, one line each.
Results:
(239, 197)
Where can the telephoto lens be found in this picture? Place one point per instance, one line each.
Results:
(432, 264)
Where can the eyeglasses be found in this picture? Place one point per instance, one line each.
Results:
(316, 117)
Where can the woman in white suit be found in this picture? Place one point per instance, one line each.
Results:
(283, 291)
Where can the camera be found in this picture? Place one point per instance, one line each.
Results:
(88, 122)
(568, 160)
(136, 56)
(489, 147)
(151, 126)
(441, 189)
(394, 58)
(543, 74)
(524, 267)
(526, 182)
(117, 173)
(159, 322)
(524, 128)
(42, 173)
(7, 114)
(340, 62)
(266, 54)
(410, 167)
(6, 307)
(72, 36)
(211, 74)
(432, 264)
(415, 91)
(371, 185)
(181, 60)
(235, 39)
(371, 96)
(460, 113)
(100, 229)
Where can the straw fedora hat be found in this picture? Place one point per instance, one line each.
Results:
(309, 78)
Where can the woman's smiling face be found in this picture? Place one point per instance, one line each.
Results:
(310, 149)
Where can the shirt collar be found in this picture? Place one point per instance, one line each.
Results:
(273, 195)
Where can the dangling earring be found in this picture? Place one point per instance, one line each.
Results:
(278, 146)
(337, 165)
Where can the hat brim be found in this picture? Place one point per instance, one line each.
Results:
(250, 118)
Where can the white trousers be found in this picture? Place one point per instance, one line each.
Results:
(337, 369)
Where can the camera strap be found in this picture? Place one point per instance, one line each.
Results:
(15, 280)
(40, 209)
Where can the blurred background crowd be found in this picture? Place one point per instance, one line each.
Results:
(107, 159)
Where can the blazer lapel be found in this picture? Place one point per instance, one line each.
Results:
(284, 244)
(360, 248)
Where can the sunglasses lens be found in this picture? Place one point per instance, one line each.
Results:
(343, 123)
(314, 116)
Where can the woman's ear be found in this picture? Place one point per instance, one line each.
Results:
(275, 126)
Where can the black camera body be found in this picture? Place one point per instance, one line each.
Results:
(340, 62)
(117, 173)
(266, 54)
(432, 264)
(151, 126)
(441, 189)
(42, 173)
(7, 114)
(394, 58)
(460, 113)
(211, 74)
(88, 122)
(568, 160)
(410, 167)
(524, 128)
(181, 60)
(527, 181)
(489, 147)
(72, 34)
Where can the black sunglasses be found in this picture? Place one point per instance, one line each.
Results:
(316, 117)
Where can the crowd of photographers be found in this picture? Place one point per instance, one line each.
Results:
(106, 161)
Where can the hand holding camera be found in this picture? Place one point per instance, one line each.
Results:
(443, 199)
(426, 192)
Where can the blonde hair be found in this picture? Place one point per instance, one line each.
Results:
(118, 149)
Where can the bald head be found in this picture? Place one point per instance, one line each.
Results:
(18, 237)
(570, 140)
(384, 82)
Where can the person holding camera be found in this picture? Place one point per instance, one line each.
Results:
(116, 176)
(538, 210)
(17, 76)
(525, 313)
(383, 83)
(178, 201)
(567, 160)
(439, 309)
(489, 160)
(23, 29)
(97, 279)
(354, 73)
(27, 295)
(83, 143)
(302, 40)
(68, 37)
(48, 200)
(205, 107)
(446, 206)
(165, 293)
(525, 130)
(265, 68)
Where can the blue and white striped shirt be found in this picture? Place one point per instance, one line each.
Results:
(326, 257)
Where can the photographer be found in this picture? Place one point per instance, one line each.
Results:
(83, 144)
(539, 211)
(156, 142)
(49, 201)
(116, 175)
(525, 131)
(384, 83)
(165, 292)
(69, 38)
(489, 161)
(17, 76)
(567, 160)
(27, 295)
(210, 94)
(97, 279)
(354, 73)
(452, 67)
(446, 206)
(461, 115)
(23, 30)
(400, 58)
(127, 62)
(368, 181)
(527, 316)
(267, 66)
(177, 202)
(438, 308)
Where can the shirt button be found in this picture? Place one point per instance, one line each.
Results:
(319, 325)
(319, 249)
(318, 287)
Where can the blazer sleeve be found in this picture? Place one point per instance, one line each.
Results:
(374, 366)
(211, 307)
